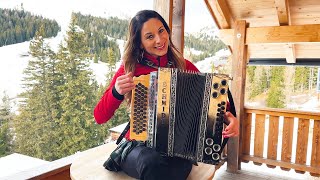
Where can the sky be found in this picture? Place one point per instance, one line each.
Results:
(197, 15)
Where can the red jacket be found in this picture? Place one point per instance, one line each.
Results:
(108, 104)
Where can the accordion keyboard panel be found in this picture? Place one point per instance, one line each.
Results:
(217, 109)
(139, 109)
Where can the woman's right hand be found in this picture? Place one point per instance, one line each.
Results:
(124, 83)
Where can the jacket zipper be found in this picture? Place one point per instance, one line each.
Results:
(158, 58)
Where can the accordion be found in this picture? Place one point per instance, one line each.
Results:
(180, 113)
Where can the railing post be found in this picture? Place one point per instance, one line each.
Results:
(239, 63)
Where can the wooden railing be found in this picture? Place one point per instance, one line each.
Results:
(58, 169)
(282, 138)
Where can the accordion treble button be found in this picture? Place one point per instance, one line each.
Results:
(215, 85)
(214, 94)
(224, 82)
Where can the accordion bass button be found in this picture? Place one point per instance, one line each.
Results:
(209, 141)
(215, 156)
(208, 150)
(216, 147)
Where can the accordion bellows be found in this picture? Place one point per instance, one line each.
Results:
(180, 113)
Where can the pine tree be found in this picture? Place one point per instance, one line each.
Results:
(111, 63)
(5, 121)
(257, 80)
(301, 78)
(95, 59)
(78, 130)
(275, 98)
(36, 126)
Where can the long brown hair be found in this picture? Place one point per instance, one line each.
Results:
(133, 52)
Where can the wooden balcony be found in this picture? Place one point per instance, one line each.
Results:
(279, 139)
(253, 30)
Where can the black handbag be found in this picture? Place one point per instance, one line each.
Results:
(113, 163)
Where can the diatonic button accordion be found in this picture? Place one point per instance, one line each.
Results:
(180, 113)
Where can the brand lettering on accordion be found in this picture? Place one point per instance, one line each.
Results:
(163, 102)
(180, 113)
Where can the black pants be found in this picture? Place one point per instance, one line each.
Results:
(146, 164)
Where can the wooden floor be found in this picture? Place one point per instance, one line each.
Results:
(249, 171)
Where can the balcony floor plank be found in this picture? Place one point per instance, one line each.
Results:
(249, 171)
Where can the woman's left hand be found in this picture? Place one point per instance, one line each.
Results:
(233, 128)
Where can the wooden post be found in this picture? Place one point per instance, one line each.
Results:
(178, 14)
(173, 12)
(164, 8)
(239, 63)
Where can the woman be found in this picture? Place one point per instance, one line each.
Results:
(149, 46)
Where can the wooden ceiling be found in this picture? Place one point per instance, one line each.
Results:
(288, 29)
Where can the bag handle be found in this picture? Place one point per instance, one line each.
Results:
(124, 132)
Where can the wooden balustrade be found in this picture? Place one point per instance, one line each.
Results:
(306, 135)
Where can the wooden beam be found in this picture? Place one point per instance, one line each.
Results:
(276, 34)
(178, 15)
(164, 8)
(221, 13)
(303, 50)
(290, 53)
(239, 63)
(282, 7)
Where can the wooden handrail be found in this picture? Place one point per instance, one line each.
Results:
(58, 169)
(283, 112)
(286, 131)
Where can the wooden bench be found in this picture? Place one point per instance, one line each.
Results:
(88, 165)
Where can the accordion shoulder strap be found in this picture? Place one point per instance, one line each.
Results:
(124, 132)
(233, 111)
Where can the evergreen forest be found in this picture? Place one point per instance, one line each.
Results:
(18, 26)
(101, 35)
(208, 45)
(277, 84)
(55, 116)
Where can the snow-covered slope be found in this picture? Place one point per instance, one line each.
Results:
(219, 59)
(14, 60)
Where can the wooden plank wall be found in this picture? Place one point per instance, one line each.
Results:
(286, 162)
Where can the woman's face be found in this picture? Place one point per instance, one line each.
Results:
(154, 37)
